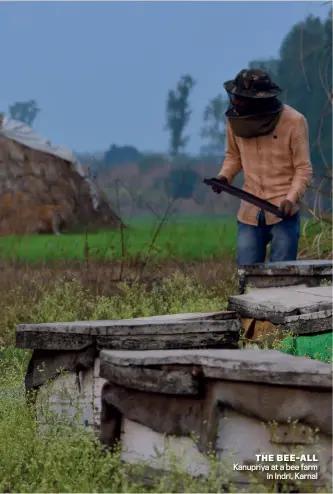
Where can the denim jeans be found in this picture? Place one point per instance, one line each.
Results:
(252, 241)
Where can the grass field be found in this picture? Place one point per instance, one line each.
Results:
(182, 239)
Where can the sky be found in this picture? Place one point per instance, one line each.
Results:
(101, 71)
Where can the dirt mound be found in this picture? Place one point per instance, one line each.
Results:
(41, 193)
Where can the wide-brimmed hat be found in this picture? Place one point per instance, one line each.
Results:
(252, 83)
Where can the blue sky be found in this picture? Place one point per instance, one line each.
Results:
(100, 71)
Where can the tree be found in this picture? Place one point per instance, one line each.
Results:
(149, 161)
(24, 111)
(271, 66)
(181, 183)
(304, 72)
(214, 128)
(178, 113)
(117, 155)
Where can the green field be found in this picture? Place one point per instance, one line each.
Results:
(182, 239)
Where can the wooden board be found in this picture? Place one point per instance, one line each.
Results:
(278, 304)
(301, 268)
(200, 330)
(279, 274)
(262, 366)
(183, 382)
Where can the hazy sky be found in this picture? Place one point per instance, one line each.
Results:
(100, 71)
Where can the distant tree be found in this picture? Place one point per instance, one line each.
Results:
(304, 72)
(214, 125)
(178, 113)
(24, 111)
(117, 155)
(270, 65)
(181, 183)
(149, 161)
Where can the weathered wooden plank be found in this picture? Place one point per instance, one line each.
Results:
(203, 334)
(36, 338)
(132, 328)
(45, 364)
(126, 333)
(277, 274)
(251, 283)
(276, 304)
(302, 325)
(198, 416)
(307, 324)
(167, 342)
(252, 365)
(187, 316)
(174, 382)
(301, 268)
(122, 327)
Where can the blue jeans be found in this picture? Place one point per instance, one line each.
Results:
(252, 241)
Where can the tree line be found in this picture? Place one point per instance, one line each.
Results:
(303, 70)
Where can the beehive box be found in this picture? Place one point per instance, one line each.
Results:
(64, 367)
(239, 403)
(301, 312)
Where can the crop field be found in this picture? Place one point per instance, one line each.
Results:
(181, 238)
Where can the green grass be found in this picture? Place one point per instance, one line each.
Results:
(63, 300)
(184, 238)
(181, 239)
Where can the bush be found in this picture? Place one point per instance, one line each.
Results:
(64, 300)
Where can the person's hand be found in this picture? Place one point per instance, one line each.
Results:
(221, 179)
(286, 207)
